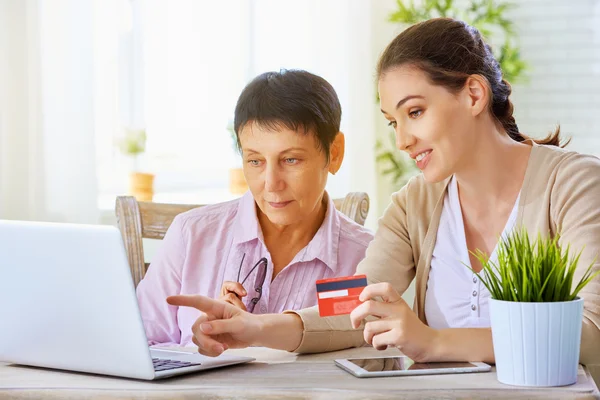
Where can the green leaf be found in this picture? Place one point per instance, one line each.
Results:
(133, 142)
(532, 271)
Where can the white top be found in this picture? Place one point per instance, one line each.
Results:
(455, 297)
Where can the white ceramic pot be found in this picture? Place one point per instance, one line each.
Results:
(536, 344)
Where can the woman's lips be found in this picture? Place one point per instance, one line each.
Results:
(280, 204)
(421, 164)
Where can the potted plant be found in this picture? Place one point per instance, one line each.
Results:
(133, 144)
(535, 313)
(237, 180)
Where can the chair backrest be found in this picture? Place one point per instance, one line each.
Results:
(139, 219)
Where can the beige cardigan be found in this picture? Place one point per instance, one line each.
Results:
(561, 188)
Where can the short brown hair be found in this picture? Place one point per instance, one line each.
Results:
(296, 99)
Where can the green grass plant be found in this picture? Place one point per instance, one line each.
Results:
(532, 271)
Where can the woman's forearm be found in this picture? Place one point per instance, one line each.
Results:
(464, 344)
(280, 331)
(284, 332)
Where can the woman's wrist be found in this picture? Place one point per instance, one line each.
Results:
(462, 344)
(280, 331)
(437, 346)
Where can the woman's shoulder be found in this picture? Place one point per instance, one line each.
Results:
(560, 166)
(207, 216)
(561, 182)
(353, 232)
(548, 154)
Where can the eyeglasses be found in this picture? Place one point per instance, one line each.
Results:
(261, 274)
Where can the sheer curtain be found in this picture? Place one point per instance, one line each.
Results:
(47, 163)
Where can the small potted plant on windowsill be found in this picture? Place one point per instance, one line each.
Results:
(132, 144)
(237, 180)
(535, 313)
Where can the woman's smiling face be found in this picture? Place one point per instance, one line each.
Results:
(434, 126)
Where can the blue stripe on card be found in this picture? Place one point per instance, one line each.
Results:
(349, 284)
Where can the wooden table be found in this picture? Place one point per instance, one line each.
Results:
(274, 375)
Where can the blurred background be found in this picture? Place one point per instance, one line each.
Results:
(92, 91)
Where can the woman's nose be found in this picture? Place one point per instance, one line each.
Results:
(273, 179)
(403, 139)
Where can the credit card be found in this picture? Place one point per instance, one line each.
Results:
(339, 296)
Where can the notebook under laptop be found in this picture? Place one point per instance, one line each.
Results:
(67, 301)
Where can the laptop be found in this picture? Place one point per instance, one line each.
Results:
(67, 302)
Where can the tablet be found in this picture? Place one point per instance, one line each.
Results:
(402, 365)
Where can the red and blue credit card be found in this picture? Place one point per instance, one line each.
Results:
(339, 296)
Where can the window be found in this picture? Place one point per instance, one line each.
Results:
(177, 68)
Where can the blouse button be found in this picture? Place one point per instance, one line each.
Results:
(473, 307)
(474, 293)
(474, 279)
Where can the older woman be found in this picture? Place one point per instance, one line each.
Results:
(264, 251)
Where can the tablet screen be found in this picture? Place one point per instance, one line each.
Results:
(403, 364)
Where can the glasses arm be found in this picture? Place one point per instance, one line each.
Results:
(261, 261)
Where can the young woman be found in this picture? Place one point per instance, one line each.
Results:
(263, 252)
(442, 91)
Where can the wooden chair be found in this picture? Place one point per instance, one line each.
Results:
(138, 219)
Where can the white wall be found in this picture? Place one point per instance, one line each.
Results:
(561, 42)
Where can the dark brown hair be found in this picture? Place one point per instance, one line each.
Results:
(449, 51)
(295, 99)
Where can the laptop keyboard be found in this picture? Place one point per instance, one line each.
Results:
(162, 364)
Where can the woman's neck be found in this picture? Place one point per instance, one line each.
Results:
(493, 175)
(293, 235)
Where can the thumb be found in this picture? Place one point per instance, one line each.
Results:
(234, 287)
(222, 326)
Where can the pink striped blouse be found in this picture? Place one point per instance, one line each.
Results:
(204, 247)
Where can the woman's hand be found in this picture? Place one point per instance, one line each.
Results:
(397, 325)
(232, 293)
(221, 325)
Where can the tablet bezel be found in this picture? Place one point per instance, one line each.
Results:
(359, 372)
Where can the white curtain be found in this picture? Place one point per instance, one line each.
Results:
(47, 157)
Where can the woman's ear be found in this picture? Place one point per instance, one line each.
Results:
(336, 153)
(477, 92)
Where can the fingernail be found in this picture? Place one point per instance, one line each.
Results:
(206, 328)
(219, 349)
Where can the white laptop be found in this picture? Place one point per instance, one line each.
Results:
(67, 301)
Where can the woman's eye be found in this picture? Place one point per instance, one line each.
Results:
(254, 163)
(392, 124)
(291, 161)
(415, 113)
